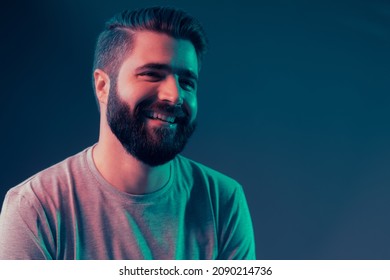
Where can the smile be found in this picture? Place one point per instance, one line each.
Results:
(161, 117)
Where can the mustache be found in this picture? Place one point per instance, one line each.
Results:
(176, 111)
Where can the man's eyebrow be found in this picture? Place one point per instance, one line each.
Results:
(166, 67)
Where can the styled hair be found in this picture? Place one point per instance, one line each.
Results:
(116, 40)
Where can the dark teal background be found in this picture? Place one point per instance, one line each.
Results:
(294, 103)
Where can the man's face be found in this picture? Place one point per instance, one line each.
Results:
(152, 103)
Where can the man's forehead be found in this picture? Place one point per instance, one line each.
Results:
(158, 48)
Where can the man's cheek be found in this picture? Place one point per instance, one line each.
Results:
(192, 107)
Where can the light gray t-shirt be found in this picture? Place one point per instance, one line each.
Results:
(69, 211)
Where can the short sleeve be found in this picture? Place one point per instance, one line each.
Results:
(24, 233)
(237, 237)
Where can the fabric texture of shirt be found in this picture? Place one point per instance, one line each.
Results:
(69, 211)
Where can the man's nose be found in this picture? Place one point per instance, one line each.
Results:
(170, 90)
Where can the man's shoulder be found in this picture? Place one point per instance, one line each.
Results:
(201, 173)
(49, 179)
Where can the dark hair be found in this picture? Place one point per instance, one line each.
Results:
(115, 41)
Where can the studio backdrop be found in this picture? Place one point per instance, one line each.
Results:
(294, 103)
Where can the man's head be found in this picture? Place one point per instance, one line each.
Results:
(116, 40)
(146, 70)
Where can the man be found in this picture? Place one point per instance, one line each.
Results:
(131, 195)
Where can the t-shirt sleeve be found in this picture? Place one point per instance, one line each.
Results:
(23, 232)
(237, 238)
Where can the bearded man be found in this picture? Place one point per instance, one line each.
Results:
(132, 195)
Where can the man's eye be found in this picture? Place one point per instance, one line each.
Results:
(187, 84)
(152, 75)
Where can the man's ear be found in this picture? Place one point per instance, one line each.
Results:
(102, 85)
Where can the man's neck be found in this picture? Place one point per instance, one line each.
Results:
(126, 173)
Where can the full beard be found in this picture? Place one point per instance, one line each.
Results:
(150, 145)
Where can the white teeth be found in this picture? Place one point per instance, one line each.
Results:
(162, 117)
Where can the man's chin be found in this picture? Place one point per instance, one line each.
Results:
(154, 150)
(162, 136)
